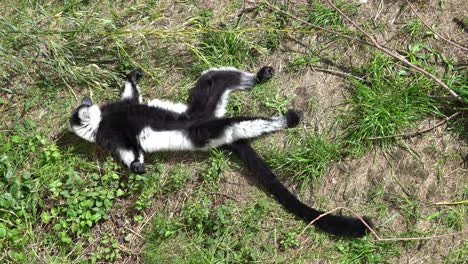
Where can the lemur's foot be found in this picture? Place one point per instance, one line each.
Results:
(293, 118)
(138, 167)
(135, 75)
(265, 74)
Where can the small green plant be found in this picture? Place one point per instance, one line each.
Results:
(414, 28)
(457, 255)
(365, 251)
(223, 47)
(177, 177)
(289, 240)
(277, 103)
(108, 250)
(215, 167)
(454, 217)
(301, 61)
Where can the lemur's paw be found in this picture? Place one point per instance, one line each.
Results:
(293, 118)
(265, 74)
(138, 167)
(135, 75)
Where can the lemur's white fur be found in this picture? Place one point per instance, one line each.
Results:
(224, 69)
(152, 141)
(247, 129)
(90, 119)
(168, 105)
(126, 156)
(128, 91)
(246, 82)
(222, 104)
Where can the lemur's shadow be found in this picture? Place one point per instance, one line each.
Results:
(68, 141)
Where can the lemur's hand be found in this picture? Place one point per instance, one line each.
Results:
(135, 75)
(265, 74)
(293, 117)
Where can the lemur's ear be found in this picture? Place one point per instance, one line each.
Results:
(87, 101)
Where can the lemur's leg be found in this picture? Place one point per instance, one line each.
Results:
(210, 95)
(218, 132)
(214, 132)
(179, 108)
(134, 159)
(131, 90)
(126, 148)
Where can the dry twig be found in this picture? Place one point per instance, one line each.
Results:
(412, 134)
(433, 31)
(373, 43)
(395, 55)
(339, 73)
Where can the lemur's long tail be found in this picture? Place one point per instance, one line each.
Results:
(343, 226)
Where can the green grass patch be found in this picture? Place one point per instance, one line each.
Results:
(325, 16)
(306, 158)
(207, 233)
(388, 102)
(365, 251)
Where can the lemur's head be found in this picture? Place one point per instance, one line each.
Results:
(85, 119)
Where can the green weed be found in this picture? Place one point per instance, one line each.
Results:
(215, 166)
(414, 28)
(224, 46)
(365, 251)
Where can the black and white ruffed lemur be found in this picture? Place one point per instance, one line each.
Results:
(130, 128)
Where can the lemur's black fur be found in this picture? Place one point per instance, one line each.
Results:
(130, 128)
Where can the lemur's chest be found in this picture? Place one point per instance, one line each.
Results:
(131, 120)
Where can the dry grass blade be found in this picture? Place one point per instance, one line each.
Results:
(464, 202)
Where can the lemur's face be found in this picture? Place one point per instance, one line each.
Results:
(85, 119)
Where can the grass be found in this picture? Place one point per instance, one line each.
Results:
(308, 158)
(387, 102)
(63, 200)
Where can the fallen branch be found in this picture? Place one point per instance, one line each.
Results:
(272, 7)
(395, 55)
(373, 43)
(412, 134)
(433, 31)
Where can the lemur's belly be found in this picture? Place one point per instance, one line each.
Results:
(174, 140)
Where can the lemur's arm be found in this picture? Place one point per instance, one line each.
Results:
(131, 90)
(212, 133)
